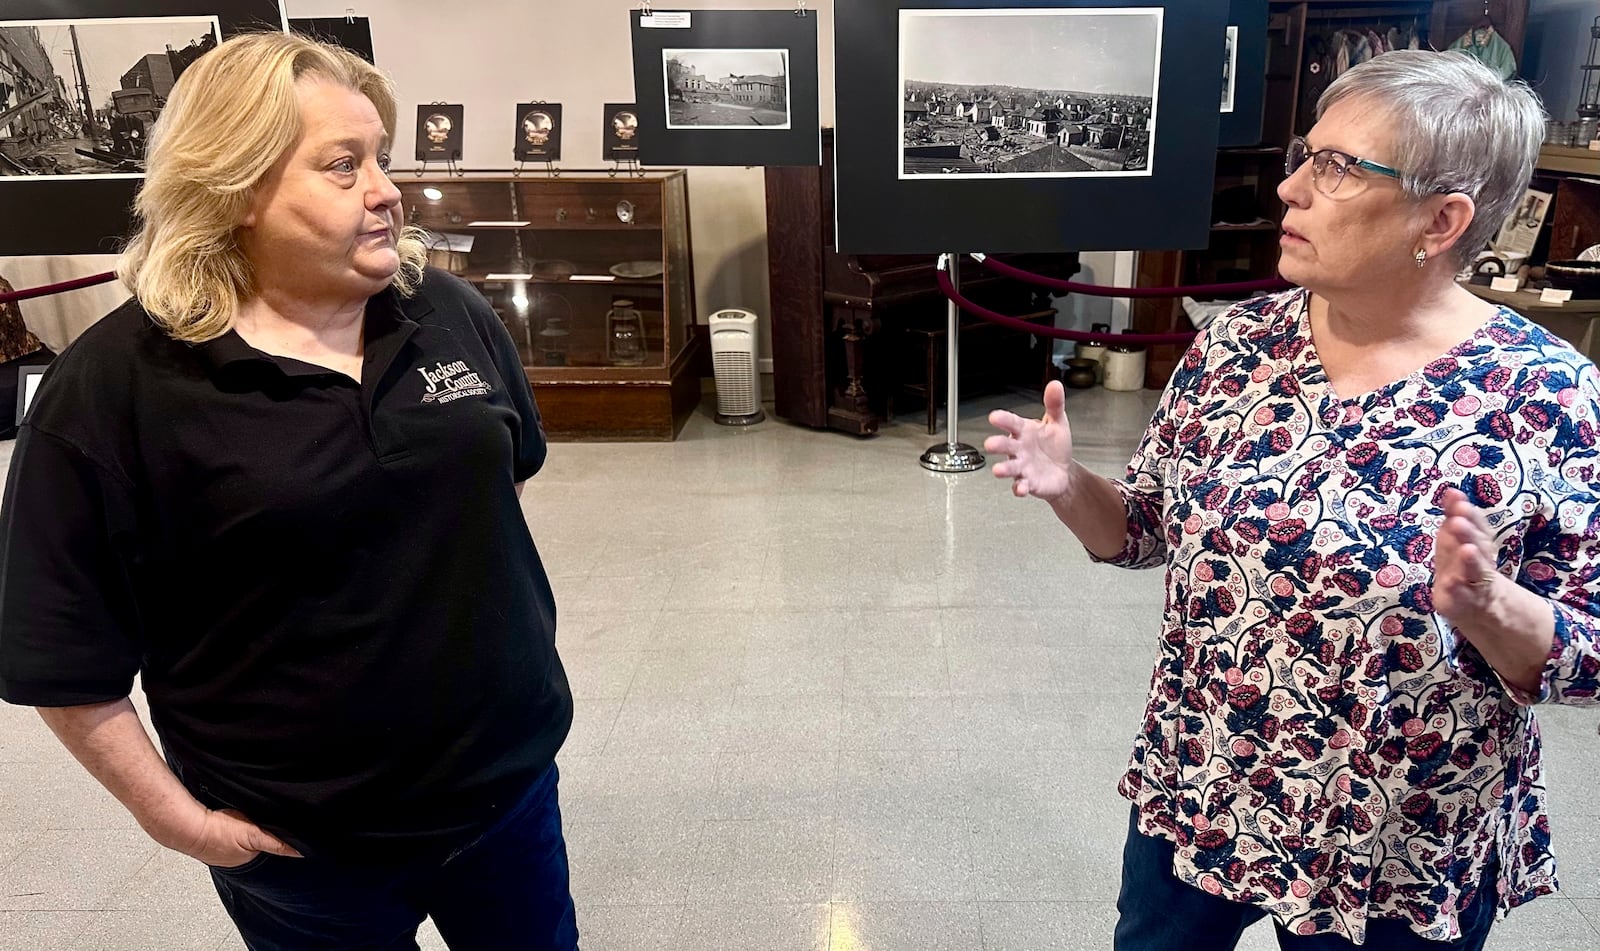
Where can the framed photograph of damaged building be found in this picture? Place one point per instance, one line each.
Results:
(72, 136)
(1025, 125)
(727, 87)
(1244, 73)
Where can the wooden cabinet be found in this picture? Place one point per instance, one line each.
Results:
(592, 276)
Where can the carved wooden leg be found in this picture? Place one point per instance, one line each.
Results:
(852, 410)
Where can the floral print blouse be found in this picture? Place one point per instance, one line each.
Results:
(1317, 741)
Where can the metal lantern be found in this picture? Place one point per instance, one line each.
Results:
(1589, 98)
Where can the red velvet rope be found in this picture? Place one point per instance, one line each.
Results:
(46, 290)
(994, 317)
(1096, 290)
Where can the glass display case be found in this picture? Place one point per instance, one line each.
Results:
(592, 276)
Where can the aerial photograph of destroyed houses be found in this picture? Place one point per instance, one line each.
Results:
(1034, 92)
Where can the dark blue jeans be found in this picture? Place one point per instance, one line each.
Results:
(508, 889)
(1157, 912)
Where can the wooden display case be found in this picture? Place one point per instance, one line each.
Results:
(592, 276)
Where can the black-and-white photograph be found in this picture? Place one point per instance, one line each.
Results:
(74, 80)
(726, 89)
(738, 87)
(1230, 66)
(78, 97)
(1036, 92)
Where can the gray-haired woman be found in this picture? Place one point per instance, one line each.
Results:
(1374, 499)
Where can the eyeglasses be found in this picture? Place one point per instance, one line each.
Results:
(1329, 167)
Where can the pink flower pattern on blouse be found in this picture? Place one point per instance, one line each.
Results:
(1317, 741)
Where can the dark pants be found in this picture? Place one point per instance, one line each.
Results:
(1157, 912)
(509, 889)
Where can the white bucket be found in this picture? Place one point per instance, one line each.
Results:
(1124, 369)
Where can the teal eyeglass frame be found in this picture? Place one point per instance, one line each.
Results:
(1300, 145)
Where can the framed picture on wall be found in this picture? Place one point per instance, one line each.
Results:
(72, 141)
(1244, 73)
(728, 87)
(753, 93)
(538, 136)
(1520, 232)
(1230, 66)
(1088, 107)
(439, 132)
(27, 387)
(620, 134)
(1025, 125)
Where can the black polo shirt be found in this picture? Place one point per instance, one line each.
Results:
(329, 588)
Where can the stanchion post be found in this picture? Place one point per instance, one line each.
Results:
(952, 455)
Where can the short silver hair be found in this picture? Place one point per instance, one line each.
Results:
(1458, 128)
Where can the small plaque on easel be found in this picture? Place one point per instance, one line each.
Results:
(622, 135)
(538, 136)
(439, 133)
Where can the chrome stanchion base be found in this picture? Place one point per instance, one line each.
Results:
(952, 457)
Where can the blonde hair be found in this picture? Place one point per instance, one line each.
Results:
(232, 115)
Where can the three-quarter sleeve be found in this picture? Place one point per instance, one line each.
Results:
(1562, 553)
(1144, 487)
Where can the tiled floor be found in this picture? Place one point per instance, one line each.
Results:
(826, 701)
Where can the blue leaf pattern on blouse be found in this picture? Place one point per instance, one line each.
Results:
(1317, 741)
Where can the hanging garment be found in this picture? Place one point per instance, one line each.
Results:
(1341, 54)
(1488, 47)
(1355, 50)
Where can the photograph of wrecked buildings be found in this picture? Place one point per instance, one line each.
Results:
(78, 97)
(1001, 93)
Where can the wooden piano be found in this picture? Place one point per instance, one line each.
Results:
(837, 318)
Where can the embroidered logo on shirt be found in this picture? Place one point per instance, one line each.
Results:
(452, 381)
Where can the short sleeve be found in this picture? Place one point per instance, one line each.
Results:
(69, 631)
(531, 447)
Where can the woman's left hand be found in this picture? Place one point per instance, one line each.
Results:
(1466, 584)
(1510, 625)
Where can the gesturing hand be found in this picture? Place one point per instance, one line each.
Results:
(227, 839)
(1038, 452)
(1466, 584)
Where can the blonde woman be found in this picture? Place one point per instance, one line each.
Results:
(281, 486)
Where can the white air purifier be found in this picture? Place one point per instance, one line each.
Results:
(733, 361)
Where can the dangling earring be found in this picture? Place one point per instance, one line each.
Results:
(1422, 256)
